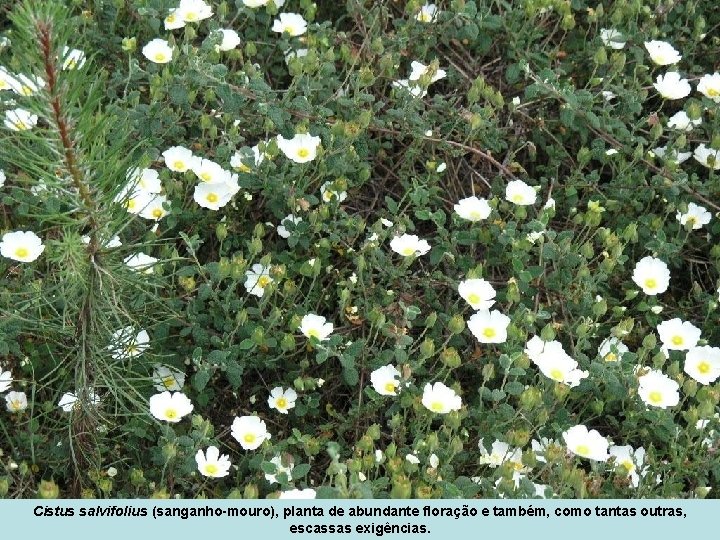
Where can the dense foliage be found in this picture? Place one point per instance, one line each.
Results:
(203, 203)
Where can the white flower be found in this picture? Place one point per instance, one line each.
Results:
(518, 192)
(16, 401)
(256, 279)
(473, 209)
(2, 178)
(21, 246)
(292, 24)
(671, 155)
(672, 86)
(174, 20)
(418, 70)
(414, 89)
(213, 196)
(69, 401)
(128, 344)
(6, 79)
(651, 275)
(709, 86)
(307, 493)
(428, 13)
(612, 38)
(409, 245)
(681, 121)
(212, 464)
(5, 380)
(72, 58)
(249, 431)
(193, 10)
(709, 157)
(587, 444)
(178, 158)
(489, 326)
(155, 208)
(158, 51)
(166, 379)
(500, 452)
(703, 364)
(412, 458)
(696, 216)
(385, 380)
(658, 390)
(302, 148)
(282, 400)
(478, 293)
(147, 180)
(230, 40)
(630, 462)
(440, 399)
(141, 262)
(20, 119)
(540, 447)
(280, 468)
(170, 407)
(550, 203)
(209, 172)
(612, 349)
(289, 219)
(678, 335)
(534, 236)
(314, 326)
(662, 53)
(260, 3)
(552, 360)
(328, 194)
(25, 85)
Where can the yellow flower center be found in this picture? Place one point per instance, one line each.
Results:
(206, 177)
(691, 220)
(628, 465)
(131, 204)
(436, 406)
(171, 414)
(611, 357)
(20, 125)
(249, 438)
(473, 298)
(582, 450)
(303, 153)
(704, 367)
(489, 332)
(650, 283)
(15, 405)
(159, 57)
(713, 92)
(281, 403)
(425, 17)
(655, 397)
(22, 252)
(263, 281)
(408, 251)
(211, 469)
(70, 63)
(179, 165)
(290, 30)
(169, 381)
(475, 215)
(518, 198)
(314, 333)
(191, 16)
(556, 375)
(212, 198)
(390, 386)
(25, 90)
(677, 340)
(170, 18)
(157, 213)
